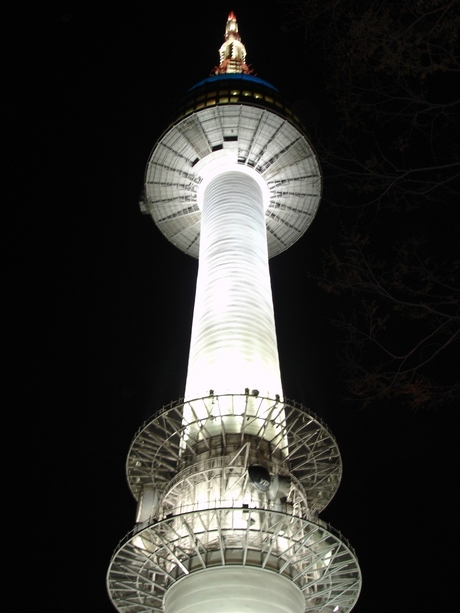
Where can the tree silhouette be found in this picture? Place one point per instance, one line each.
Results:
(391, 158)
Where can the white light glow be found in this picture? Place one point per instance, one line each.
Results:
(225, 160)
(233, 344)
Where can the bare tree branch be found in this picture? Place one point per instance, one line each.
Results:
(391, 159)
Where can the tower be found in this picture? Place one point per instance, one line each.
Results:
(230, 479)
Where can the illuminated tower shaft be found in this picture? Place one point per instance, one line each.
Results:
(230, 480)
(233, 344)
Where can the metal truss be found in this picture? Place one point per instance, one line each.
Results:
(306, 449)
(311, 554)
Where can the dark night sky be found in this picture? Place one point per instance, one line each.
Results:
(103, 304)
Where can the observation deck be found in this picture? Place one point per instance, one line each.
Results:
(301, 445)
(245, 528)
(312, 556)
(245, 120)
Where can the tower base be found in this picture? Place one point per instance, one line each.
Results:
(234, 589)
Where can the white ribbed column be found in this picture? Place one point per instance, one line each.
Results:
(233, 343)
(234, 589)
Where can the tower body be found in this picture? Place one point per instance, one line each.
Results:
(231, 478)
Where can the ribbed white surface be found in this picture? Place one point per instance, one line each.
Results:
(233, 344)
(233, 589)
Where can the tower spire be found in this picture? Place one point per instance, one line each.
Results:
(233, 52)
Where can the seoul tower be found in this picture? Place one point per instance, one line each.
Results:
(229, 480)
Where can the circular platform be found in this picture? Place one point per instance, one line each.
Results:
(251, 134)
(307, 449)
(155, 557)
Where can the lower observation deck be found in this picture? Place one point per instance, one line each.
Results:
(302, 445)
(154, 556)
